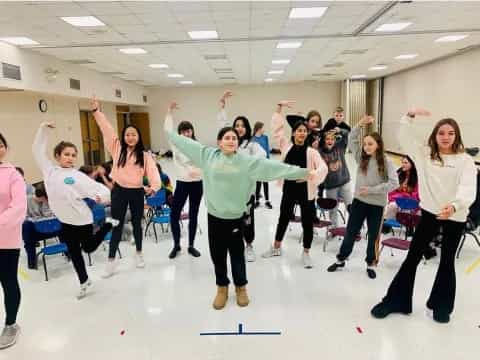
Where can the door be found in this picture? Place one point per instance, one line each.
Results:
(92, 140)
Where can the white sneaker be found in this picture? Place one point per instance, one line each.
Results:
(140, 263)
(307, 260)
(83, 289)
(272, 252)
(112, 221)
(9, 336)
(109, 269)
(250, 254)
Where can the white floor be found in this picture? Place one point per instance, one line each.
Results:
(162, 309)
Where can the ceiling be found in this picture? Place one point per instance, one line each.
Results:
(336, 46)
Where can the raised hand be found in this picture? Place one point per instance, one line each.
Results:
(225, 96)
(286, 103)
(366, 120)
(419, 112)
(173, 106)
(49, 124)
(94, 104)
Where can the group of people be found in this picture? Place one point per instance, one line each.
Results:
(441, 175)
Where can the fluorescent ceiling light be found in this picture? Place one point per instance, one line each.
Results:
(158, 66)
(393, 27)
(289, 45)
(306, 13)
(280, 62)
(358, 76)
(197, 35)
(133, 51)
(378, 67)
(269, 80)
(451, 38)
(275, 72)
(175, 75)
(186, 82)
(19, 40)
(406, 56)
(83, 21)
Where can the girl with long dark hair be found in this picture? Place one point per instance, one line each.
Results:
(130, 164)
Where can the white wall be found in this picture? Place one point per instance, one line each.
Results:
(33, 67)
(200, 105)
(448, 88)
(20, 118)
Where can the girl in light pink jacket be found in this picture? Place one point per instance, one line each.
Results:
(296, 152)
(13, 208)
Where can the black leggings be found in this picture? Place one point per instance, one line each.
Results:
(359, 211)
(122, 198)
(78, 237)
(193, 191)
(289, 199)
(265, 190)
(442, 296)
(9, 280)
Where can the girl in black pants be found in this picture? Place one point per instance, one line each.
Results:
(447, 183)
(130, 164)
(67, 188)
(303, 193)
(189, 186)
(13, 207)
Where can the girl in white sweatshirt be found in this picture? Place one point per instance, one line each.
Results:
(447, 185)
(67, 188)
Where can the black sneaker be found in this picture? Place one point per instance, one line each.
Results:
(174, 252)
(336, 266)
(382, 310)
(371, 273)
(439, 316)
(194, 252)
(257, 204)
(268, 205)
(429, 253)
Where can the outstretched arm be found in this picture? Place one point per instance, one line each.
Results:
(39, 147)
(222, 117)
(108, 132)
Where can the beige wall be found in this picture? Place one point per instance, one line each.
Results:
(34, 64)
(257, 103)
(20, 118)
(448, 88)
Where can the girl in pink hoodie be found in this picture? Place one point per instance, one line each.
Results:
(296, 152)
(13, 208)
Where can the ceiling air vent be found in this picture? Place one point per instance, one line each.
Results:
(74, 84)
(81, 61)
(215, 57)
(334, 65)
(10, 71)
(354, 52)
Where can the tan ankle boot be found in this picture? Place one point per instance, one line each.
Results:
(221, 298)
(242, 296)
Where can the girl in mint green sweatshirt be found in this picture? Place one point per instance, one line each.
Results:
(229, 178)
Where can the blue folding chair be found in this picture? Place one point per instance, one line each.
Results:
(405, 217)
(50, 227)
(158, 212)
(99, 215)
